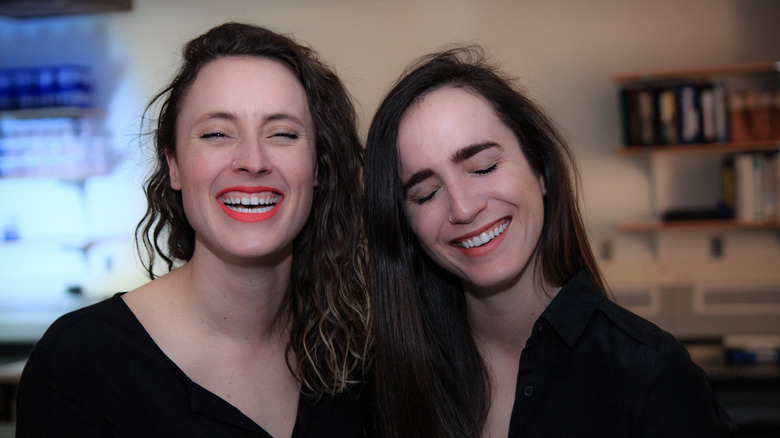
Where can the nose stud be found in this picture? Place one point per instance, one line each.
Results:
(451, 220)
(234, 166)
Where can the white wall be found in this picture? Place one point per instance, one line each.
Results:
(563, 51)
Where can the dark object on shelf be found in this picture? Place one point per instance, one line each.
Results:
(51, 8)
(752, 349)
(692, 214)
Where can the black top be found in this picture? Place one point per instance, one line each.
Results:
(97, 372)
(594, 369)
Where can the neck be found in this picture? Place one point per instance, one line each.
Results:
(243, 302)
(504, 318)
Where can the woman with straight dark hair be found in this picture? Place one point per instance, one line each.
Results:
(491, 314)
(260, 327)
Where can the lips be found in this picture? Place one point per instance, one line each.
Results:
(250, 204)
(483, 237)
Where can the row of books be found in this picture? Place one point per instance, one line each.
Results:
(697, 112)
(751, 186)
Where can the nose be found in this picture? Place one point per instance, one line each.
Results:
(465, 203)
(251, 157)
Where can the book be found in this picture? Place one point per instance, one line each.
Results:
(759, 170)
(776, 115)
(688, 107)
(744, 183)
(647, 114)
(761, 115)
(667, 116)
(707, 96)
(771, 189)
(728, 189)
(629, 110)
(721, 113)
(757, 186)
(739, 129)
(639, 114)
(714, 115)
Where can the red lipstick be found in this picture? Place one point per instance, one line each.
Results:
(250, 204)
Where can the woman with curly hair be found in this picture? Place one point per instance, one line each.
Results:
(260, 326)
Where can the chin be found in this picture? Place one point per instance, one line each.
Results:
(494, 281)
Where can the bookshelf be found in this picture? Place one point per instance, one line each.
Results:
(742, 119)
(701, 148)
(703, 224)
(699, 73)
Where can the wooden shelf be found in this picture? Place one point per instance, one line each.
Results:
(702, 148)
(712, 224)
(698, 73)
(728, 78)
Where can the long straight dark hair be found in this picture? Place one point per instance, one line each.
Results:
(430, 378)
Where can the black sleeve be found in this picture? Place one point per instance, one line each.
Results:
(679, 401)
(54, 399)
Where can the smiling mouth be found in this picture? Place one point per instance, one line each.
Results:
(256, 203)
(484, 237)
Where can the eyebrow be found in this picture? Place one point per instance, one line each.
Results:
(225, 115)
(457, 157)
(283, 116)
(464, 154)
(417, 178)
(219, 115)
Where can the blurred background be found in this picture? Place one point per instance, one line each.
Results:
(72, 162)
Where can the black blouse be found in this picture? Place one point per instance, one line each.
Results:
(594, 369)
(97, 373)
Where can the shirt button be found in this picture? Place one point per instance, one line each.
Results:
(528, 391)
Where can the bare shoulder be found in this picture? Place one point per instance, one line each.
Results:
(153, 297)
(157, 307)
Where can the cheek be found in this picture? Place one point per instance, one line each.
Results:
(424, 225)
(306, 174)
(298, 165)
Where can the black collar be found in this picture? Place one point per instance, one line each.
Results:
(569, 312)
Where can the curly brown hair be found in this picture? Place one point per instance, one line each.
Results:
(327, 301)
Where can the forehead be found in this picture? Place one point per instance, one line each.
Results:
(443, 122)
(448, 107)
(246, 83)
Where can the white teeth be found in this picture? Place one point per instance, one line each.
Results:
(484, 238)
(250, 210)
(250, 203)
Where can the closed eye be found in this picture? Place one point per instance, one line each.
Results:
(213, 135)
(486, 170)
(423, 199)
(289, 135)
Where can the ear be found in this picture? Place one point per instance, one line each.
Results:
(173, 170)
(542, 186)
